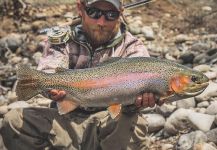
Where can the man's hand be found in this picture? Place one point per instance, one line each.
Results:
(147, 100)
(56, 95)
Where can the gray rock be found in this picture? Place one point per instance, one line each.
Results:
(3, 100)
(14, 59)
(200, 59)
(170, 57)
(148, 109)
(43, 102)
(202, 68)
(208, 92)
(155, 122)
(3, 109)
(11, 96)
(25, 27)
(215, 121)
(207, 8)
(204, 146)
(13, 41)
(25, 61)
(187, 58)
(136, 20)
(204, 104)
(167, 147)
(202, 110)
(39, 24)
(148, 33)
(201, 121)
(177, 121)
(134, 29)
(166, 109)
(199, 46)
(187, 141)
(40, 16)
(209, 56)
(135, 25)
(18, 104)
(155, 25)
(37, 56)
(211, 75)
(212, 109)
(181, 38)
(186, 103)
(212, 135)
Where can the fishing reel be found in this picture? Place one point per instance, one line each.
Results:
(58, 35)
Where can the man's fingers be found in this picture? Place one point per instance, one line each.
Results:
(62, 93)
(53, 92)
(145, 100)
(57, 94)
(151, 99)
(139, 101)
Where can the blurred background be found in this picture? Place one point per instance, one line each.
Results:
(184, 31)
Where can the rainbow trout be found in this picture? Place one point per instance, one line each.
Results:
(113, 83)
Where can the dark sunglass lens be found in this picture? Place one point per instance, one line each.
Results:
(93, 13)
(112, 15)
(96, 13)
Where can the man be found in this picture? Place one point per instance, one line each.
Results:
(99, 36)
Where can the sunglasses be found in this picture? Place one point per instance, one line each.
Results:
(95, 13)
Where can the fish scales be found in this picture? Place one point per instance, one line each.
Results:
(119, 81)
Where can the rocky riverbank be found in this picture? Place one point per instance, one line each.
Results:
(181, 31)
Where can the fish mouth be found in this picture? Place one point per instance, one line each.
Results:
(199, 88)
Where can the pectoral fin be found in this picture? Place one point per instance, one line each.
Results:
(66, 106)
(114, 110)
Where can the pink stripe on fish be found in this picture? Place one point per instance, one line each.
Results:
(108, 81)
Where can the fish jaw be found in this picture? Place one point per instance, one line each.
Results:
(196, 90)
(189, 85)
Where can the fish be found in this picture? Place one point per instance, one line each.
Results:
(114, 83)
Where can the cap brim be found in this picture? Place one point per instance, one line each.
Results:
(116, 4)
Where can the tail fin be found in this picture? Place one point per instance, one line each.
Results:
(28, 82)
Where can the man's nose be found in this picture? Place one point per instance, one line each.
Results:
(101, 21)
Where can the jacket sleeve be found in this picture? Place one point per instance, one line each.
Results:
(53, 56)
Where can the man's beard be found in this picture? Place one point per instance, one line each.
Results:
(99, 35)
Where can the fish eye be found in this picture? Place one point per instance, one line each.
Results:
(194, 78)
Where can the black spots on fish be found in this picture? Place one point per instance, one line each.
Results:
(194, 78)
(25, 74)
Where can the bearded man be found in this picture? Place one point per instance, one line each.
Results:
(100, 35)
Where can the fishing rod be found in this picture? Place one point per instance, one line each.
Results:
(136, 4)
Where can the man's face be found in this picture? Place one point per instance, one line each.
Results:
(100, 31)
